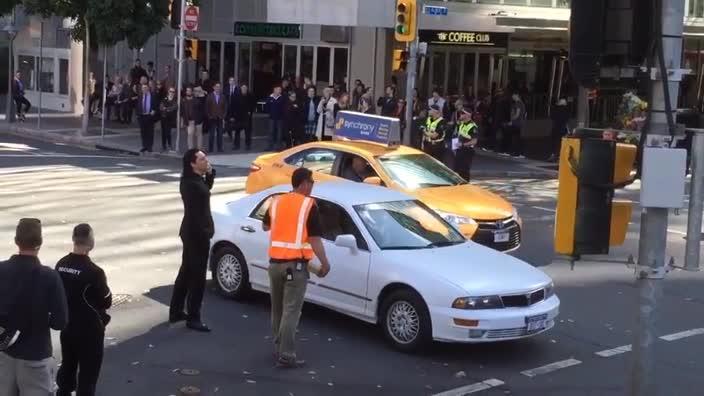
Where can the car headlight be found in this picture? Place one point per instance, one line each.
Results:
(484, 302)
(550, 290)
(455, 218)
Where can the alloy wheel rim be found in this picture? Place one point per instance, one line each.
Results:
(403, 322)
(229, 273)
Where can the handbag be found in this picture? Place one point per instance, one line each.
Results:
(9, 329)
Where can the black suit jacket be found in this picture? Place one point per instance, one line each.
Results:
(197, 221)
(153, 106)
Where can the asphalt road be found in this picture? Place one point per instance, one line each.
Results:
(134, 206)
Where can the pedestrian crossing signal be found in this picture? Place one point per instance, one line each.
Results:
(400, 60)
(405, 30)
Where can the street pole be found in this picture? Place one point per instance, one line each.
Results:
(105, 93)
(39, 80)
(411, 78)
(653, 229)
(179, 84)
(696, 203)
(11, 32)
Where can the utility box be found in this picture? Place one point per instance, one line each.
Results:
(663, 178)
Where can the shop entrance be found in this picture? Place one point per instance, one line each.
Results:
(267, 67)
(464, 71)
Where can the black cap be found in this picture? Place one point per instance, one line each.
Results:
(435, 107)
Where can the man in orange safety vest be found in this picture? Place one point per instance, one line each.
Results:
(295, 238)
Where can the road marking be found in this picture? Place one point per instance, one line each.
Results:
(127, 165)
(682, 334)
(548, 368)
(174, 175)
(45, 155)
(545, 209)
(614, 351)
(676, 232)
(479, 386)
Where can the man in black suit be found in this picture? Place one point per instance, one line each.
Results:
(196, 230)
(146, 113)
(230, 91)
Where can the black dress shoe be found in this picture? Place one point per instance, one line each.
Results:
(179, 317)
(198, 326)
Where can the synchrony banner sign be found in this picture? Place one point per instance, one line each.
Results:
(453, 37)
(359, 126)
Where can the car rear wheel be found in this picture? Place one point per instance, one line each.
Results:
(405, 321)
(230, 273)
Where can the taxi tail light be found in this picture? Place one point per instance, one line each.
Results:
(254, 167)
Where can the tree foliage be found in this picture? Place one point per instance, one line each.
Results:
(6, 6)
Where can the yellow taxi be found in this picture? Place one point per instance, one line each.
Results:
(480, 215)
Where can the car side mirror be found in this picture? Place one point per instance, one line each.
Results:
(374, 180)
(346, 240)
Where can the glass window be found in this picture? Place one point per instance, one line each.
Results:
(335, 221)
(244, 63)
(516, 2)
(201, 61)
(339, 73)
(453, 77)
(46, 79)
(469, 70)
(418, 171)
(483, 80)
(438, 72)
(290, 60)
(696, 8)
(259, 212)
(63, 76)
(307, 61)
(317, 160)
(563, 3)
(407, 225)
(214, 65)
(322, 75)
(26, 67)
(229, 62)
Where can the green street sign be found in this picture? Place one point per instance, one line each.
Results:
(275, 30)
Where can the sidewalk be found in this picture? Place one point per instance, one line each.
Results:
(125, 139)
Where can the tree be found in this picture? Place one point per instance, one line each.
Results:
(106, 22)
(6, 6)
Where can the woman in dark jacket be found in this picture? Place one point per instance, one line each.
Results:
(294, 121)
(242, 106)
(167, 110)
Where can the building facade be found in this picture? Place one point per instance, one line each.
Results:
(478, 46)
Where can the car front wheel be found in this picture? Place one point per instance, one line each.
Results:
(405, 321)
(230, 273)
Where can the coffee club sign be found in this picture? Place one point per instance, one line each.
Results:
(453, 37)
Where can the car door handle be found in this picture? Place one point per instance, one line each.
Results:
(247, 229)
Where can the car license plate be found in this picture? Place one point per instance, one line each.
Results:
(501, 237)
(536, 323)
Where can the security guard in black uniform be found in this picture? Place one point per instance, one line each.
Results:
(434, 131)
(467, 132)
(88, 298)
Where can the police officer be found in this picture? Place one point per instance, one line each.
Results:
(434, 132)
(295, 237)
(88, 298)
(466, 140)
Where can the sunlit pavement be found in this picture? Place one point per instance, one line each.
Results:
(135, 209)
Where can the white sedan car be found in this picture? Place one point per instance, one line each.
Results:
(394, 262)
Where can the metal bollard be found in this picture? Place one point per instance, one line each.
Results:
(696, 203)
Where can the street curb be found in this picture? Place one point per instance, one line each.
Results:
(18, 130)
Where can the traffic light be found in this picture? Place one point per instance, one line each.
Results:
(400, 60)
(405, 20)
(190, 48)
(588, 219)
(175, 13)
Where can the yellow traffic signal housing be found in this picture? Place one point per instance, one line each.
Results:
(400, 60)
(406, 23)
(588, 219)
(190, 48)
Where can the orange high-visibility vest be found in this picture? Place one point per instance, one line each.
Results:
(289, 233)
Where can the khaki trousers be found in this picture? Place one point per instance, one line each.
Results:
(286, 303)
(26, 377)
(195, 135)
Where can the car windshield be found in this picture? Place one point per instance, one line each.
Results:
(415, 171)
(407, 225)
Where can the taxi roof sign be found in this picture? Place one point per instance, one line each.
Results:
(351, 125)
